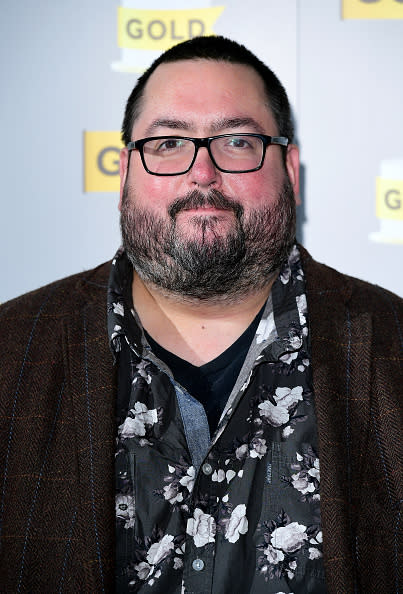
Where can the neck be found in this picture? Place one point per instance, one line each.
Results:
(195, 330)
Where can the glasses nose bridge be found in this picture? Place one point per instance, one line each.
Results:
(202, 143)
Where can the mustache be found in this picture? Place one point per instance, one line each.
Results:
(197, 199)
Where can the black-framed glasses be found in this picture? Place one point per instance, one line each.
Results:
(230, 153)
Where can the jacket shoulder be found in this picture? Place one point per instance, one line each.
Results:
(36, 319)
(324, 281)
(34, 327)
(61, 297)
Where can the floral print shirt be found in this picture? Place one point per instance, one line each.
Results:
(237, 511)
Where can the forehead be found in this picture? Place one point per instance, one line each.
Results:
(200, 93)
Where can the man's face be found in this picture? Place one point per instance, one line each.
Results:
(205, 218)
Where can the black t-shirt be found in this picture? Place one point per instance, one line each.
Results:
(212, 382)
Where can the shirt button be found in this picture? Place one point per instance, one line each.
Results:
(198, 564)
(207, 468)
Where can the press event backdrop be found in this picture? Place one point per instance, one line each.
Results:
(68, 67)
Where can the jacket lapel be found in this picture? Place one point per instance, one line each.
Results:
(341, 340)
(92, 385)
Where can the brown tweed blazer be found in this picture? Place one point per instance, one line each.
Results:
(57, 395)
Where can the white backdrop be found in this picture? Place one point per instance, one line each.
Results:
(59, 78)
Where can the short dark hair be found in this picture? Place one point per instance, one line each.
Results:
(220, 49)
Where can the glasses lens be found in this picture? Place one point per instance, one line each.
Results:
(237, 153)
(168, 155)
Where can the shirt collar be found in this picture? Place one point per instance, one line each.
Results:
(121, 315)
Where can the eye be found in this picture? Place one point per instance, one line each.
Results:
(239, 142)
(170, 144)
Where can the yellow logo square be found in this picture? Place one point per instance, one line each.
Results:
(389, 198)
(372, 9)
(101, 161)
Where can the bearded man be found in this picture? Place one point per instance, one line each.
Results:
(235, 372)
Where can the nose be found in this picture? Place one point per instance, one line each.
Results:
(203, 172)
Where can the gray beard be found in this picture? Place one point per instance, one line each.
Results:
(214, 268)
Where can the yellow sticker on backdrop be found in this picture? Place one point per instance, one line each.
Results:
(389, 198)
(372, 9)
(101, 161)
(161, 29)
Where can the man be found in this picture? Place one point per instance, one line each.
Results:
(237, 364)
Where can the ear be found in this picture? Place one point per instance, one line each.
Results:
(124, 159)
(292, 165)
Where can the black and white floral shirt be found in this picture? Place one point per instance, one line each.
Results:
(237, 512)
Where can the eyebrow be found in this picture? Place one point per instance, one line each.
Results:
(238, 122)
(216, 126)
(168, 123)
